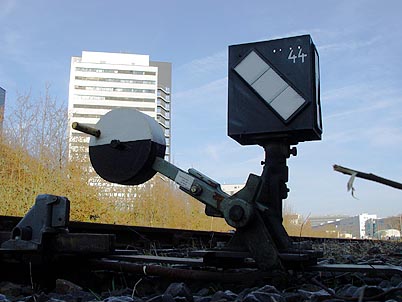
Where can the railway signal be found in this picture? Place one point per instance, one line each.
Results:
(274, 91)
(273, 102)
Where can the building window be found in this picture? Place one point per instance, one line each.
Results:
(111, 98)
(122, 71)
(130, 81)
(87, 115)
(97, 88)
(85, 106)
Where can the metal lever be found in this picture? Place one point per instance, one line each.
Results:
(86, 129)
(237, 212)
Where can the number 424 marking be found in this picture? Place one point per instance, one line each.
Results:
(300, 55)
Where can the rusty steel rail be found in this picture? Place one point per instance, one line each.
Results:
(134, 236)
(361, 268)
(169, 261)
(178, 273)
(153, 237)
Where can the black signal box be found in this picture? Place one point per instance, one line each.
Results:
(274, 91)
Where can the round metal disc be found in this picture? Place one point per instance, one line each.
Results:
(127, 147)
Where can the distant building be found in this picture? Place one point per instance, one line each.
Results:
(390, 234)
(383, 227)
(295, 219)
(352, 226)
(371, 227)
(325, 219)
(2, 104)
(232, 189)
(101, 81)
(356, 225)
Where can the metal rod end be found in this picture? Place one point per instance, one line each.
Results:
(86, 129)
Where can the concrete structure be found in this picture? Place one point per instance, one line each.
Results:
(390, 234)
(2, 104)
(100, 82)
(356, 225)
(383, 227)
(325, 219)
(352, 226)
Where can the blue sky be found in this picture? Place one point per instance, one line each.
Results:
(360, 47)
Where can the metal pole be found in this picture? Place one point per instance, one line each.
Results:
(273, 189)
(86, 129)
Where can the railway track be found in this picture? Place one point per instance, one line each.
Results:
(134, 236)
(154, 237)
(144, 251)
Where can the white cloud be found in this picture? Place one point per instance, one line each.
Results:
(214, 151)
(218, 62)
(230, 161)
(7, 7)
(16, 47)
(373, 136)
(208, 64)
(11, 44)
(363, 90)
(381, 105)
(384, 137)
(11, 40)
(202, 93)
(354, 100)
(350, 44)
(294, 33)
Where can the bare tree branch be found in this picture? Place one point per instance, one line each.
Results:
(368, 176)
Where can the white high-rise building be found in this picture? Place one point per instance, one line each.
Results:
(100, 82)
(354, 226)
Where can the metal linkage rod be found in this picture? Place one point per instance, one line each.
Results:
(237, 212)
(185, 274)
(368, 176)
(86, 129)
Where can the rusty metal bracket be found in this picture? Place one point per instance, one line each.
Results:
(50, 214)
(45, 228)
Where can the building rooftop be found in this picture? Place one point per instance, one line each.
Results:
(114, 58)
